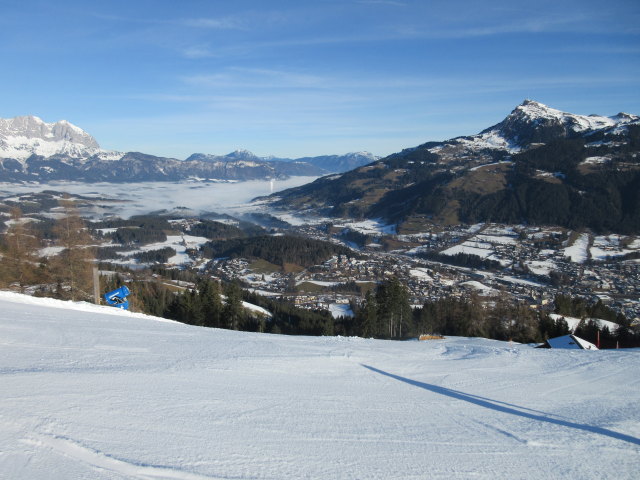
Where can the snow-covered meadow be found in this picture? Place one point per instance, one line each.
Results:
(93, 392)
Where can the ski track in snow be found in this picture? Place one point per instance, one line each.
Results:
(91, 392)
(100, 461)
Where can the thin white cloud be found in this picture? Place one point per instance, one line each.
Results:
(227, 23)
(606, 49)
(198, 51)
(392, 3)
(222, 23)
(406, 31)
(259, 78)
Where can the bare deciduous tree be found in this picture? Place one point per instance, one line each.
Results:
(72, 268)
(19, 262)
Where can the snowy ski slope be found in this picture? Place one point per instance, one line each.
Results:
(95, 393)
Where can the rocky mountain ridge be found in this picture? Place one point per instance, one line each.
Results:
(33, 150)
(328, 163)
(22, 137)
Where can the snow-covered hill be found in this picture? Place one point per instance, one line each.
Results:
(93, 392)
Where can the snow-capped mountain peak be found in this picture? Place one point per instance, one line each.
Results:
(536, 111)
(534, 122)
(363, 154)
(242, 154)
(21, 137)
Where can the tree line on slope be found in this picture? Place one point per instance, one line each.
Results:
(605, 200)
(546, 186)
(384, 313)
(220, 305)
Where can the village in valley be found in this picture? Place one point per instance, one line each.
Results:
(535, 265)
(489, 262)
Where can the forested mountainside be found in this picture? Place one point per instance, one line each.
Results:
(539, 166)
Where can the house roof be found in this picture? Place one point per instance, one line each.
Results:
(571, 342)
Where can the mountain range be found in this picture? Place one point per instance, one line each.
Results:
(537, 166)
(33, 150)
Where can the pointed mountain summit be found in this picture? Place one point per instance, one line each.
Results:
(533, 122)
(21, 137)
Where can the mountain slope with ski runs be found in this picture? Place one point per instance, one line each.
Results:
(96, 392)
(33, 150)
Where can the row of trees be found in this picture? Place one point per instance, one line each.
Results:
(67, 275)
(384, 313)
(387, 314)
(212, 304)
(462, 259)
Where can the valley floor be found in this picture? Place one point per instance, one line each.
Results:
(93, 392)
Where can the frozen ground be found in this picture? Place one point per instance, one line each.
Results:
(95, 393)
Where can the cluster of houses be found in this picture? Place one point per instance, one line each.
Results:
(529, 257)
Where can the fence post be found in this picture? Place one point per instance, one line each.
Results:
(96, 286)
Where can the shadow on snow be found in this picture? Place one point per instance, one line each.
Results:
(502, 407)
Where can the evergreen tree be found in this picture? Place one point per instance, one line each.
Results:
(367, 317)
(427, 320)
(196, 314)
(524, 324)
(232, 312)
(183, 308)
(394, 312)
(211, 302)
(328, 328)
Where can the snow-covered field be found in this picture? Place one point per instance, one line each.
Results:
(578, 251)
(608, 246)
(97, 393)
(480, 249)
(369, 227)
(180, 243)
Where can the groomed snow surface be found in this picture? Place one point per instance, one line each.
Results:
(96, 393)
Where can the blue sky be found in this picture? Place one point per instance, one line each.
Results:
(296, 78)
